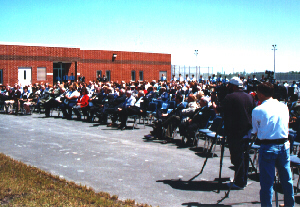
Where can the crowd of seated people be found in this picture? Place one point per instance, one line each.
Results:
(182, 103)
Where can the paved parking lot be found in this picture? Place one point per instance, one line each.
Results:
(122, 163)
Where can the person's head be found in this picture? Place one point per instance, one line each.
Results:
(294, 98)
(141, 93)
(84, 91)
(128, 93)
(163, 89)
(192, 98)
(204, 101)
(122, 91)
(235, 83)
(109, 90)
(178, 98)
(265, 91)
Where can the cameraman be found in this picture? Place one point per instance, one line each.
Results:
(237, 107)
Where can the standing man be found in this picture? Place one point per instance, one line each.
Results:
(81, 78)
(237, 108)
(163, 77)
(270, 121)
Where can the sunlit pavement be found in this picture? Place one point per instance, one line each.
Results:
(123, 163)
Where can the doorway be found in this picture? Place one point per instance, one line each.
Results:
(58, 72)
(24, 76)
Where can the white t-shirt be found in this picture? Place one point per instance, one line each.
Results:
(270, 120)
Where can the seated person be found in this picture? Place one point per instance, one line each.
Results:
(82, 103)
(96, 103)
(132, 110)
(164, 96)
(24, 97)
(103, 106)
(44, 96)
(12, 99)
(31, 100)
(198, 120)
(113, 107)
(6, 94)
(59, 94)
(191, 106)
(172, 119)
(150, 95)
(70, 101)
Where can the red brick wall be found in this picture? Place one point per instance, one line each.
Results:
(88, 62)
(123, 64)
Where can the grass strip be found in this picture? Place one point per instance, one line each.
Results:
(22, 185)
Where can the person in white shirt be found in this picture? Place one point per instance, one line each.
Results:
(70, 101)
(180, 78)
(270, 122)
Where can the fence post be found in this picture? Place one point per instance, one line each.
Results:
(207, 72)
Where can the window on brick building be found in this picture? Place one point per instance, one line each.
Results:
(1, 76)
(41, 73)
(108, 75)
(133, 75)
(99, 72)
(141, 75)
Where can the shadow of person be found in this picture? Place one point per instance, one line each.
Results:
(194, 185)
(194, 204)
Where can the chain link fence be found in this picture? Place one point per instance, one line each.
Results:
(208, 71)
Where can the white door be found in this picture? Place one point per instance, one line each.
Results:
(24, 76)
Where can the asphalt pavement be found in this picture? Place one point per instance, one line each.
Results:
(124, 163)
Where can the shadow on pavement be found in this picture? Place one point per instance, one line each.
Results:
(192, 204)
(194, 185)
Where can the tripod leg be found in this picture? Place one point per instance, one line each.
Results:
(221, 163)
(207, 156)
(227, 193)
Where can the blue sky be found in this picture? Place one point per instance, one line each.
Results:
(233, 35)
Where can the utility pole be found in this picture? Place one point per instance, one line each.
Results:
(274, 48)
(196, 53)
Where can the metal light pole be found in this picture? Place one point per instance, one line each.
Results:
(196, 53)
(274, 48)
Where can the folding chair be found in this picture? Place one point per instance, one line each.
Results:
(151, 112)
(213, 128)
(295, 163)
(218, 135)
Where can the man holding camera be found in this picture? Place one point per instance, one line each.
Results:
(237, 107)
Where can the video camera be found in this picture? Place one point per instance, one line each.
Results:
(270, 76)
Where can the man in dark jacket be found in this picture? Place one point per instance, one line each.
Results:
(237, 108)
(115, 105)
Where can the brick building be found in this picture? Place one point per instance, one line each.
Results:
(32, 64)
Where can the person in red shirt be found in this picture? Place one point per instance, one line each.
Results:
(82, 103)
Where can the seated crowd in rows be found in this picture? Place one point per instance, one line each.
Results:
(178, 103)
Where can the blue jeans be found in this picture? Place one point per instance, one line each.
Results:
(271, 156)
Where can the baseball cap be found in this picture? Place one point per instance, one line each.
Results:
(236, 81)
